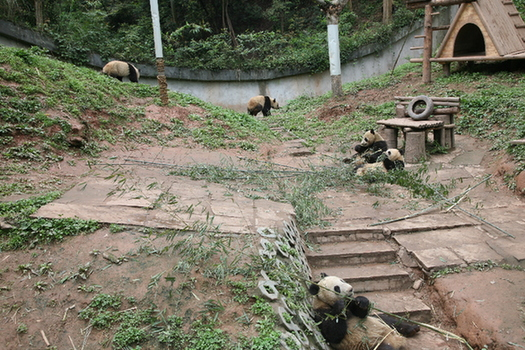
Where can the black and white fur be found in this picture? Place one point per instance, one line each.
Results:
(262, 103)
(391, 159)
(371, 147)
(121, 69)
(345, 323)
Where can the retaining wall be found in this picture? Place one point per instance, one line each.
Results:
(233, 88)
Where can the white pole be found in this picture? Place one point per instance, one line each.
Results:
(333, 49)
(156, 27)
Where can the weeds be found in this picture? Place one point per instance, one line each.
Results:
(29, 232)
(478, 266)
(22, 328)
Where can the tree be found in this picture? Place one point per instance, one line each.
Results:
(332, 10)
(227, 23)
(387, 11)
(39, 13)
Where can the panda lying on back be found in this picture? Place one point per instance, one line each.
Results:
(345, 323)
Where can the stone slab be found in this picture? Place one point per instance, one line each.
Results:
(437, 259)
(473, 253)
(139, 201)
(402, 303)
(469, 158)
(441, 238)
(516, 250)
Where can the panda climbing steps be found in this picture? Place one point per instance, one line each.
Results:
(121, 69)
(262, 104)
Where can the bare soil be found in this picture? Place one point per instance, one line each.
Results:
(484, 307)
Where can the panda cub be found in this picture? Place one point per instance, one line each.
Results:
(120, 69)
(262, 103)
(392, 159)
(345, 323)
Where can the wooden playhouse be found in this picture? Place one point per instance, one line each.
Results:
(482, 30)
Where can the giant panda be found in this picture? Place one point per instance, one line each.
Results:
(345, 323)
(391, 159)
(371, 147)
(262, 103)
(120, 69)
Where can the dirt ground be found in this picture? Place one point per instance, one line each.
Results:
(487, 308)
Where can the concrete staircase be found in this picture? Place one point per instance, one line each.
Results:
(365, 258)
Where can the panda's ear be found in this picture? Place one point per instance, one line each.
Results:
(401, 151)
(372, 131)
(314, 289)
(323, 275)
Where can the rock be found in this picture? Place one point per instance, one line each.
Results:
(520, 183)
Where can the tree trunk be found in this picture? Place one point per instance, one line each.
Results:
(39, 13)
(172, 9)
(163, 84)
(387, 11)
(226, 18)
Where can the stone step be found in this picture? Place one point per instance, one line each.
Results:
(352, 253)
(369, 278)
(364, 232)
(402, 303)
(342, 234)
(440, 249)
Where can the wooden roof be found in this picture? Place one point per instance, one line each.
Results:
(500, 23)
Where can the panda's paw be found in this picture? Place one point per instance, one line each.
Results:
(338, 307)
(360, 306)
(360, 149)
(407, 329)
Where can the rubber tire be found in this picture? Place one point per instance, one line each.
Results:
(426, 112)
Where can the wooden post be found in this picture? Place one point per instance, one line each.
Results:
(446, 69)
(161, 77)
(427, 46)
(400, 111)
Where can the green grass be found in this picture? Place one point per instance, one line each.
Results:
(29, 232)
(33, 83)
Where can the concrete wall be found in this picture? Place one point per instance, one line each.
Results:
(233, 88)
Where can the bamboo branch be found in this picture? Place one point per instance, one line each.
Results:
(45, 338)
(432, 207)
